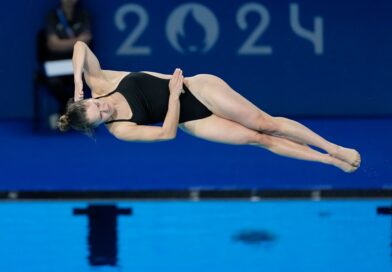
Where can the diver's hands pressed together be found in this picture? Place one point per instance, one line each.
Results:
(176, 83)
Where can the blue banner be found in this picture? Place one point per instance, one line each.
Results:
(323, 58)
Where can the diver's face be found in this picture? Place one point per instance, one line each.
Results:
(98, 111)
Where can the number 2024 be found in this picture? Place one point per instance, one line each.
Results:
(249, 47)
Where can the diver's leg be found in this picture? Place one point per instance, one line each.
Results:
(217, 129)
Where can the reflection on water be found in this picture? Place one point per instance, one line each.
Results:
(227, 236)
(255, 237)
(102, 232)
(386, 210)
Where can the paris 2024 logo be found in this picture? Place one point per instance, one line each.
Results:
(192, 28)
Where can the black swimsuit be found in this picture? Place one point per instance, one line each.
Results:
(148, 98)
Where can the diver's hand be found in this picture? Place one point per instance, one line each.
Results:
(176, 83)
(78, 94)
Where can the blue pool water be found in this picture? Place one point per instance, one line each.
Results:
(282, 235)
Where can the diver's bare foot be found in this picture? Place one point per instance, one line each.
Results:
(344, 166)
(347, 155)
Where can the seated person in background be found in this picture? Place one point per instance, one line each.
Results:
(64, 26)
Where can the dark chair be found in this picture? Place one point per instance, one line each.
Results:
(44, 103)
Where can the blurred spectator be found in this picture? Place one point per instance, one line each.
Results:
(64, 26)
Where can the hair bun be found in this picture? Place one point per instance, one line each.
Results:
(63, 123)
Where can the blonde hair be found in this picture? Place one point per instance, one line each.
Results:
(75, 118)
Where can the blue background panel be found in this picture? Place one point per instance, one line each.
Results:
(75, 162)
(346, 75)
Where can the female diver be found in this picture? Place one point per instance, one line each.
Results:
(202, 105)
